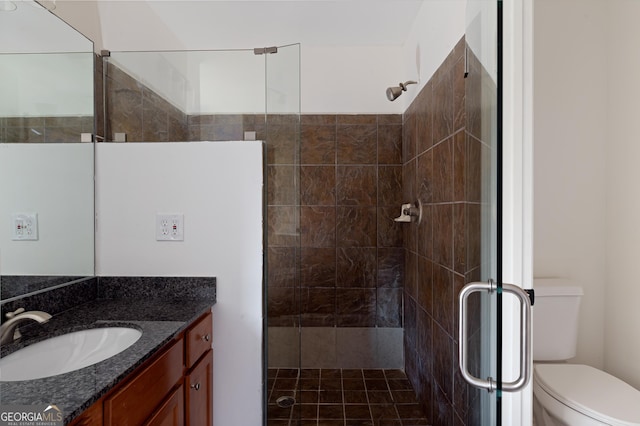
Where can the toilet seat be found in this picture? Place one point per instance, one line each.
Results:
(591, 392)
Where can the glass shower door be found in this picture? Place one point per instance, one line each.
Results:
(480, 322)
(481, 303)
(282, 135)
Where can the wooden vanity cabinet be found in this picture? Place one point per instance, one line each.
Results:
(173, 388)
(199, 376)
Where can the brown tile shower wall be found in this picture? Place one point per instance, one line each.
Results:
(335, 255)
(346, 269)
(441, 168)
(137, 111)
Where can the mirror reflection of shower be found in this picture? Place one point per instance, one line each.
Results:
(394, 92)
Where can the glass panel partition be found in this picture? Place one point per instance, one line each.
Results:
(283, 239)
(184, 96)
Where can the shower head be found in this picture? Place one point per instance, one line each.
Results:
(394, 92)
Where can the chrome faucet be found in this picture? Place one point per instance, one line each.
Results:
(9, 329)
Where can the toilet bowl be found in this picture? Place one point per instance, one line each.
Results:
(580, 395)
(572, 394)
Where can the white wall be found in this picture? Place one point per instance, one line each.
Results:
(233, 82)
(218, 188)
(570, 140)
(84, 17)
(622, 342)
(132, 26)
(440, 24)
(350, 80)
(56, 182)
(347, 80)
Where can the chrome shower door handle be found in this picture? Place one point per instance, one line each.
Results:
(467, 290)
(525, 337)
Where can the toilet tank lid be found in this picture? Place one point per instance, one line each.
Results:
(591, 391)
(543, 290)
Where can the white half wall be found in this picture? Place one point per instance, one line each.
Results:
(622, 342)
(217, 186)
(55, 181)
(570, 146)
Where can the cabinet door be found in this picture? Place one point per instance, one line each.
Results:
(91, 417)
(171, 412)
(138, 398)
(199, 391)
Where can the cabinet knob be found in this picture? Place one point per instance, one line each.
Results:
(206, 337)
(196, 386)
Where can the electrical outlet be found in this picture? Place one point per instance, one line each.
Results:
(169, 227)
(24, 227)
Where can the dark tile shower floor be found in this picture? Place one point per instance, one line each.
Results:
(353, 397)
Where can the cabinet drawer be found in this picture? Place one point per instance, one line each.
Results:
(198, 339)
(199, 391)
(134, 402)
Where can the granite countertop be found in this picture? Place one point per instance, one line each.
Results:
(160, 320)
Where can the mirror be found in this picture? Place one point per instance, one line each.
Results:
(46, 150)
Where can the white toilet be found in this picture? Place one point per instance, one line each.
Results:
(572, 394)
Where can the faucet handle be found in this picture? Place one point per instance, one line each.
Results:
(14, 313)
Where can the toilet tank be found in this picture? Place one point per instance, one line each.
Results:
(555, 319)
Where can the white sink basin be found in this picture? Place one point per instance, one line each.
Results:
(65, 353)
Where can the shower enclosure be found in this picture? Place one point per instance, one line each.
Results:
(335, 271)
(359, 312)
(355, 300)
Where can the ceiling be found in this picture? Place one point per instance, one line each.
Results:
(206, 24)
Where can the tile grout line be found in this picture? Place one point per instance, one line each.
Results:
(366, 392)
(344, 403)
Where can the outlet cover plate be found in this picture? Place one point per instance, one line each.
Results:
(24, 227)
(169, 227)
